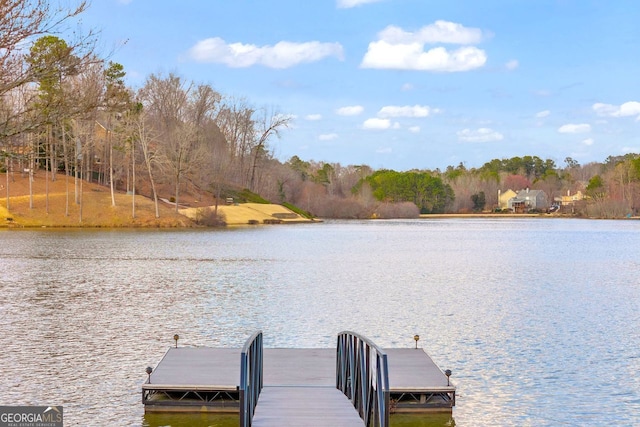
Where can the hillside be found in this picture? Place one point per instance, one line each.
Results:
(96, 209)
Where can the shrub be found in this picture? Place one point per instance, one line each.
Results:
(207, 217)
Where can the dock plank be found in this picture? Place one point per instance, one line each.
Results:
(198, 368)
(219, 367)
(305, 407)
(413, 369)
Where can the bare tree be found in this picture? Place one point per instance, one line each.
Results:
(21, 21)
(51, 61)
(269, 125)
(166, 100)
(87, 91)
(209, 145)
(148, 144)
(216, 160)
(117, 100)
(235, 121)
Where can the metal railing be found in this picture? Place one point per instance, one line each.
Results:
(250, 377)
(362, 374)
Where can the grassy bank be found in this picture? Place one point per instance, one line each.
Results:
(96, 209)
(53, 204)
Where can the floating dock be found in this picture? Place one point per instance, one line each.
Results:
(298, 384)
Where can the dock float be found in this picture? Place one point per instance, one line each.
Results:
(299, 386)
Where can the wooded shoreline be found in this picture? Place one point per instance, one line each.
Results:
(32, 208)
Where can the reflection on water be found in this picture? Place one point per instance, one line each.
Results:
(190, 420)
(208, 420)
(537, 319)
(428, 420)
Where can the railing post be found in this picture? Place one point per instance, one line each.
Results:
(362, 374)
(251, 378)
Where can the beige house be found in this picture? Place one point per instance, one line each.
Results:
(503, 198)
(570, 199)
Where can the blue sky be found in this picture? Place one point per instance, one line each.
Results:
(403, 84)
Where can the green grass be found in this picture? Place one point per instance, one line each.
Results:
(297, 210)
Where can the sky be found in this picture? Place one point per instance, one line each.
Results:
(402, 84)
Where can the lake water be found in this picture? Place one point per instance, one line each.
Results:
(537, 318)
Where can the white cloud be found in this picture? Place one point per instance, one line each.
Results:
(575, 128)
(543, 114)
(407, 87)
(313, 117)
(414, 129)
(352, 110)
(376, 123)
(396, 125)
(346, 4)
(606, 110)
(479, 135)
(631, 108)
(328, 137)
(588, 141)
(413, 57)
(281, 55)
(405, 111)
(512, 65)
(403, 50)
(630, 149)
(438, 32)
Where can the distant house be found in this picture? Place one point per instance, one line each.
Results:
(503, 198)
(570, 199)
(527, 200)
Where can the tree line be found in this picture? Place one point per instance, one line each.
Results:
(66, 111)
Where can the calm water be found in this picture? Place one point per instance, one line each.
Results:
(537, 319)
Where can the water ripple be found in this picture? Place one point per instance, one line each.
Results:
(537, 319)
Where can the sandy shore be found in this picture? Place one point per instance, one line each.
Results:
(251, 213)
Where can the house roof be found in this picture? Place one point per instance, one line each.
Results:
(523, 194)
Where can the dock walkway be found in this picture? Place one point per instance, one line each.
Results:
(304, 406)
(412, 376)
(354, 384)
(300, 389)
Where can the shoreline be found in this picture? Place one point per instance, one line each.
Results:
(13, 225)
(59, 210)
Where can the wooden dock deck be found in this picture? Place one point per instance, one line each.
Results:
(188, 379)
(416, 382)
(304, 406)
(300, 389)
(207, 379)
